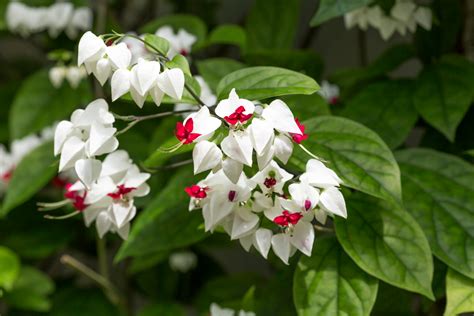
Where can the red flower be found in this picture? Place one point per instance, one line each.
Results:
(7, 175)
(287, 218)
(196, 191)
(298, 138)
(77, 200)
(184, 133)
(238, 116)
(270, 182)
(184, 52)
(119, 194)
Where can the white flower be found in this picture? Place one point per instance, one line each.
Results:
(206, 156)
(57, 75)
(272, 178)
(74, 75)
(197, 127)
(91, 48)
(59, 15)
(182, 261)
(234, 110)
(81, 20)
(318, 175)
(180, 43)
(216, 310)
(330, 92)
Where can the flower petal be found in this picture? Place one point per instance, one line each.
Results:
(262, 241)
(281, 246)
(281, 117)
(206, 156)
(332, 201)
(120, 83)
(171, 81)
(88, 170)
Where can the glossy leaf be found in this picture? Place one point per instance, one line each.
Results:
(179, 61)
(154, 42)
(443, 96)
(460, 294)
(438, 192)
(9, 268)
(31, 290)
(329, 283)
(304, 106)
(31, 175)
(329, 9)
(358, 155)
(386, 242)
(160, 155)
(169, 212)
(256, 83)
(228, 34)
(385, 107)
(38, 104)
(272, 24)
(214, 69)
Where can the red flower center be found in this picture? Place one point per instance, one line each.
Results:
(196, 191)
(298, 138)
(307, 204)
(184, 133)
(122, 190)
(333, 100)
(287, 218)
(184, 52)
(75, 197)
(270, 182)
(238, 116)
(7, 175)
(232, 195)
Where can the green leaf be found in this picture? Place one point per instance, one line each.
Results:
(159, 156)
(147, 261)
(169, 212)
(228, 34)
(329, 283)
(386, 242)
(329, 9)
(438, 192)
(304, 61)
(163, 309)
(192, 24)
(82, 302)
(181, 62)
(156, 43)
(443, 96)
(9, 268)
(358, 156)
(31, 290)
(31, 175)
(304, 106)
(258, 83)
(459, 293)
(272, 24)
(392, 301)
(214, 69)
(392, 119)
(38, 104)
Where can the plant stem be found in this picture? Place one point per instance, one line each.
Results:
(102, 257)
(107, 286)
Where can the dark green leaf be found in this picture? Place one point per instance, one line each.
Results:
(160, 155)
(438, 192)
(272, 24)
(329, 283)
(443, 96)
(304, 106)
(214, 69)
(82, 302)
(257, 83)
(387, 108)
(38, 104)
(228, 34)
(144, 262)
(163, 309)
(9, 268)
(392, 301)
(169, 212)
(31, 290)
(329, 9)
(386, 242)
(460, 294)
(358, 155)
(32, 174)
(155, 43)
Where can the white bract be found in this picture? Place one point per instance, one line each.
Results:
(88, 134)
(216, 310)
(183, 261)
(404, 16)
(140, 78)
(72, 74)
(180, 43)
(330, 92)
(59, 17)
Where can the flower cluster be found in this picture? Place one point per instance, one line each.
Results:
(59, 17)
(72, 74)
(330, 92)
(404, 16)
(141, 79)
(238, 203)
(19, 148)
(180, 42)
(105, 189)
